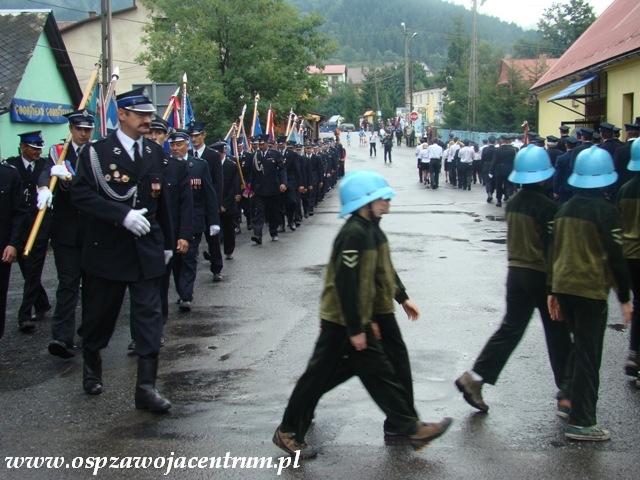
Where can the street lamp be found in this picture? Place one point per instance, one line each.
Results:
(408, 90)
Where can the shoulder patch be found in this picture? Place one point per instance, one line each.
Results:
(350, 258)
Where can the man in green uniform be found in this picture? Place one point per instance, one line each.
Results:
(629, 206)
(587, 260)
(528, 214)
(346, 335)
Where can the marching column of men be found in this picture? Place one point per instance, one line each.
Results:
(128, 215)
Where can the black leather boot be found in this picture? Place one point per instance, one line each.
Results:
(147, 397)
(92, 373)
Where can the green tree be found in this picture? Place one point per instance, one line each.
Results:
(232, 50)
(345, 100)
(562, 24)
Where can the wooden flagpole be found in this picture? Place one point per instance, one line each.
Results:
(54, 180)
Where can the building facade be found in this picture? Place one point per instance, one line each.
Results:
(37, 84)
(598, 78)
(83, 40)
(430, 104)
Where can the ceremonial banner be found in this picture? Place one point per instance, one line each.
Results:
(30, 111)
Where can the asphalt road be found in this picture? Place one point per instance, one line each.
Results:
(230, 365)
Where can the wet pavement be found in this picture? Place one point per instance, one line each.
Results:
(230, 365)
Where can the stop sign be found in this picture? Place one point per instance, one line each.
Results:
(413, 116)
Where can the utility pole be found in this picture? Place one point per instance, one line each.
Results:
(473, 69)
(107, 54)
(408, 101)
(375, 82)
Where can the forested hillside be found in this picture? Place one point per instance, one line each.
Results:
(369, 31)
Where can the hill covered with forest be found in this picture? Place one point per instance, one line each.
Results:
(369, 31)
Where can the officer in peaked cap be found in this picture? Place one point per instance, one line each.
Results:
(564, 134)
(293, 167)
(66, 233)
(177, 188)
(268, 180)
(230, 198)
(623, 154)
(205, 216)
(608, 142)
(30, 165)
(127, 243)
(212, 158)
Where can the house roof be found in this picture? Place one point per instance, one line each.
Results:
(67, 26)
(19, 34)
(356, 75)
(529, 69)
(329, 69)
(612, 36)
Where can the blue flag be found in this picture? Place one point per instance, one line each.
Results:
(190, 117)
(257, 129)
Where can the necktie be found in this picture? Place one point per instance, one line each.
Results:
(136, 152)
(30, 169)
(196, 154)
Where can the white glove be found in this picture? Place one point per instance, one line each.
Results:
(167, 256)
(61, 172)
(214, 230)
(45, 197)
(136, 222)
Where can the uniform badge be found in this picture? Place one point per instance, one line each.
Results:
(156, 186)
(107, 177)
(190, 164)
(125, 179)
(116, 174)
(112, 166)
(147, 149)
(117, 151)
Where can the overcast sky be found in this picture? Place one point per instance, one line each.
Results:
(525, 13)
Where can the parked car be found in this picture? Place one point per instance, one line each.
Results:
(347, 127)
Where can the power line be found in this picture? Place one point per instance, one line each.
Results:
(86, 54)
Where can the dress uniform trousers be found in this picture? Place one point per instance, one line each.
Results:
(526, 291)
(266, 208)
(292, 202)
(63, 323)
(228, 232)
(101, 302)
(185, 268)
(587, 320)
(434, 172)
(34, 295)
(5, 273)
(334, 355)
(215, 255)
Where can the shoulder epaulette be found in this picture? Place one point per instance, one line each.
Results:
(8, 165)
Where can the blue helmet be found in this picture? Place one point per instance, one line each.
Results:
(634, 163)
(532, 165)
(593, 169)
(359, 188)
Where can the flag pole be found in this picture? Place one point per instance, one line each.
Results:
(289, 123)
(241, 123)
(234, 144)
(226, 137)
(169, 109)
(54, 180)
(255, 113)
(184, 100)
